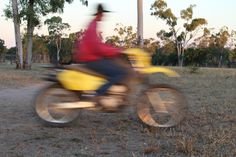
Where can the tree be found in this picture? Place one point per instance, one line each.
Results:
(55, 29)
(32, 11)
(11, 54)
(165, 55)
(217, 41)
(2, 50)
(231, 44)
(75, 38)
(125, 37)
(40, 50)
(2, 46)
(12, 11)
(188, 31)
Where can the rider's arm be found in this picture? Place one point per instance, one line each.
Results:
(108, 50)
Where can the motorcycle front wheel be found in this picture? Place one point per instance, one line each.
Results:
(162, 106)
(45, 105)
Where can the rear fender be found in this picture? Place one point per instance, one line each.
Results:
(154, 69)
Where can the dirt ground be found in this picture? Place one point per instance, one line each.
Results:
(208, 130)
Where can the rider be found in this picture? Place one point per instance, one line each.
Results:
(99, 56)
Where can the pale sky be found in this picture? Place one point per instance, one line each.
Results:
(218, 13)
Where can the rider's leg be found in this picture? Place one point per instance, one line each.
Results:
(114, 72)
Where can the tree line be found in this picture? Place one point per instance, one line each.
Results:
(207, 51)
(187, 40)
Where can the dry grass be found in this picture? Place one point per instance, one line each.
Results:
(12, 78)
(208, 130)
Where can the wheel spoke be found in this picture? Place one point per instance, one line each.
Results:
(55, 95)
(162, 107)
(156, 102)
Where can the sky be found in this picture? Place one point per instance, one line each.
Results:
(218, 13)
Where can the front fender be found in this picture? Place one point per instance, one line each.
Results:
(154, 69)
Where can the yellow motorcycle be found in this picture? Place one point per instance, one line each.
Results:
(157, 105)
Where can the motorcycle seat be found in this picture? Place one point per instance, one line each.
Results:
(84, 69)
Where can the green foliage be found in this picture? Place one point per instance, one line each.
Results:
(55, 29)
(165, 55)
(56, 26)
(52, 51)
(66, 51)
(232, 55)
(2, 46)
(84, 2)
(11, 51)
(187, 14)
(40, 8)
(181, 38)
(195, 24)
(125, 36)
(195, 57)
(39, 44)
(7, 12)
(11, 54)
(159, 9)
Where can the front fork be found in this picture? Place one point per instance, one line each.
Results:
(138, 89)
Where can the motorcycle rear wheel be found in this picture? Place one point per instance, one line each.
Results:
(51, 95)
(162, 106)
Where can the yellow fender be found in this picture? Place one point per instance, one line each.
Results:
(75, 80)
(154, 69)
(142, 63)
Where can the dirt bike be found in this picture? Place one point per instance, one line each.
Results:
(157, 105)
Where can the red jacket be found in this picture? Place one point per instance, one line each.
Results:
(91, 48)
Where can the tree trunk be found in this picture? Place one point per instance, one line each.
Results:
(140, 23)
(58, 44)
(29, 47)
(178, 53)
(220, 59)
(58, 51)
(19, 49)
(30, 30)
(182, 56)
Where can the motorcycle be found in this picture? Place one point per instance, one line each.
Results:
(157, 105)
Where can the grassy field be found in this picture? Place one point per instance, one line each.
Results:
(209, 129)
(12, 78)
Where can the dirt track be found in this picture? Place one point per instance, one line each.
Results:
(94, 134)
(209, 129)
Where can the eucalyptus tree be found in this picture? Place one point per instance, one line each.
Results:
(12, 11)
(124, 37)
(219, 40)
(32, 11)
(55, 30)
(2, 46)
(3, 50)
(180, 36)
(40, 50)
